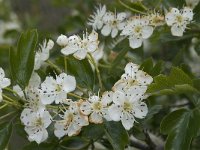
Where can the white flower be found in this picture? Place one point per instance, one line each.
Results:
(132, 76)
(4, 82)
(80, 47)
(128, 106)
(62, 40)
(36, 124)
(56, 89)
(113, 23)
(31, 99)
(43, 53)
(178, 20)
(137, 29)
(96, 20)
(192, 3)
(71, 123)
(97, 107)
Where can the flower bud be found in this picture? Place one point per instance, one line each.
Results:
(62, 40)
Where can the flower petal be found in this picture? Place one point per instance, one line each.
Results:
(135, 42)
(140, 110)
(147, 31)
(95, 118)
(127, 121)
(80, 54)
(115, 112)
(106, 30)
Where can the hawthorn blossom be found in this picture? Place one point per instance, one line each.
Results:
(97, 107)
(113, 23)
(127, 106)
(132, 76)
(80, 47)
(36, 124)
(56, 89)
(96, 20)
(178, 20)
(43, 54)
(4, 82)
(156, 19)
(71, 121)
(137, 29)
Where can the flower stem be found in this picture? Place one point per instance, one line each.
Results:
(10, 101)
(10, 90)
(3, 106)
(97, 69)
(54, 66)
(65, 61)
(8, 114)
(74, 95)
(132, 9)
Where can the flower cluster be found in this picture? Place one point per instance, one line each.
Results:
(139, 28)
(77, 46)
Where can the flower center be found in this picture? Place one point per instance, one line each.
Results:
(69, 118)
(58, 88)
(38, 122)
(137, 29)
(179, 19)
(127, 106)
(97, 106)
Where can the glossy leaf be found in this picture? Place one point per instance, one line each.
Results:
(5, 132)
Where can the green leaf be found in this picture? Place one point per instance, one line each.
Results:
(42, 146)
(71, 143)
(177, 82)
(116, 134)
(22, 60)
(5, 132)
(82, 70)
(181, 126)
(93, 131)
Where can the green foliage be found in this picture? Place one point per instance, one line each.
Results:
(177, 82)
(5, 132)
(22, 60)
(181, 126)
(116, 135)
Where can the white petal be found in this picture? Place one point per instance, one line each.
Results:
(188, 13)
(121, 16)
(177, 30)
(80, 54)
(2, 73)
(127, 121)
(92, 46)
(147, 31)
(95, 118)
(47, 119)
(140, 109)
(4, 82)
(85, 108)
(93, 36)
(69, 84)
(120, 85)
(135, 42)
(114, 32)
(73, 129)
(81, 120)
(62, 40)
(107, 98)
(170, 18)
(118, 98)
(106, 30)
(28, 116)
(59, 129)
(115, 112)
(143, 78)
(69, 50)
(131, 69)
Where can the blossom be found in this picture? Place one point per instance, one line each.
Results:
(31, 97)
(132, 76)
(127, 106)
(178, 20)
(56, 89)
(156, 19)
(96, 20)
(113, 23)
(80, 47)
(4, 82)
(43, 53)
(97, 107)
(62, 40)
(36, 124)
(137, 29)
(71, 123)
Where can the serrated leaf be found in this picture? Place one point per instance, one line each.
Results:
(181, 126)
(177, 82)
(22, 60)
(116, 134)
(5, 132)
